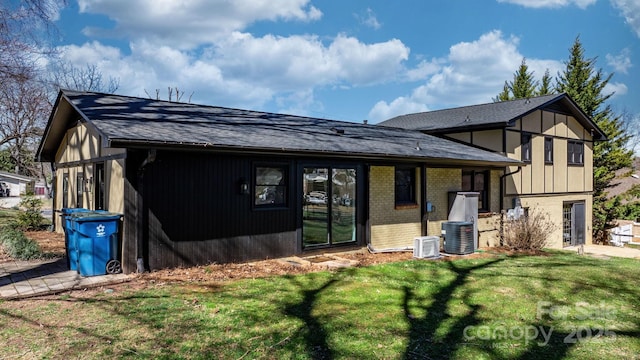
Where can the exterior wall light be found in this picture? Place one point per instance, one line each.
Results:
(244, 187)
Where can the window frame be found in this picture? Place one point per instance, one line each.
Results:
(572, 145)
(548, 150)
(412, 198)
(525, 147)
(79, 189)
(285, 186)
(483, 197)
(65, 190)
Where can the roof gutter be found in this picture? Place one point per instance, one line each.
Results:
(124, 143)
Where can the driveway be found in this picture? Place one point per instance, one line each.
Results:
(9, 202)
(606, 250)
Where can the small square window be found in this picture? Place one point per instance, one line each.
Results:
(270, 188)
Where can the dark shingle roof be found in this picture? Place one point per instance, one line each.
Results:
(490, 115)
(137, 122)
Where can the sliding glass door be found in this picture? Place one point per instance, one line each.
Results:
(329, 206)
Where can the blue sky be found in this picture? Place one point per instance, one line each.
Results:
(348, 60)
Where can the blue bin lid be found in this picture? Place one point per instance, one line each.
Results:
(67, 211)
(98, 215)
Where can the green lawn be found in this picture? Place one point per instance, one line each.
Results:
(548, 307)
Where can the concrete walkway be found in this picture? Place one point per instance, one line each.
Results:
(23, 279)
(607, 250)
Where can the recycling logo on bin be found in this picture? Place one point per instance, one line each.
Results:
(100, 230)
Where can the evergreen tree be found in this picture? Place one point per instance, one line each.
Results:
(545, 85)
(523, 85)
(505, 95)
(585, 85)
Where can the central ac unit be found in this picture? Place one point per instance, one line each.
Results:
(426, 247)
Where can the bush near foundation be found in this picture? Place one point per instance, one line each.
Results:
(17, 245)
(529, 232)
(29, 217)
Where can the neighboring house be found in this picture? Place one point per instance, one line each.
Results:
(624, 181)
(17, 184)
(203, 184)
(550, 135)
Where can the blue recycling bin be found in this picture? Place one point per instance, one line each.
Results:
(69, 236)
(97, 242)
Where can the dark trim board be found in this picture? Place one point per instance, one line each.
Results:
(72, 164)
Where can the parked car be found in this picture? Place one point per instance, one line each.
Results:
(316, 198)
(4, 190)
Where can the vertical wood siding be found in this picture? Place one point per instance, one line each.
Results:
(197, 215)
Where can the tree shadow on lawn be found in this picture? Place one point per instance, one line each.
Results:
(440, 335)
(315, 335)
(437, 334)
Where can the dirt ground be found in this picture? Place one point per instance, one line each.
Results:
(53, 243)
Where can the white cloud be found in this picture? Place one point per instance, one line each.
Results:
(423, 70)
(472, 73)
(247, 71)
(630, 10)
(583, 4)
(189, 24)
(369, 19)
(617, 89)
(621, 62)
(402, 105)
(304, 61)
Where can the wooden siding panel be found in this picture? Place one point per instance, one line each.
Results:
(465, 136)
(114, 186)
(574, 129)
(532, 123)
(561, 125)
(588, 166)
(549, 178)
(560, 165)
(489, 139)
(195, 213)
(526, 179)
(576, 175)
(128, 232)
(548, 123)
(513, 182)
(537, 165)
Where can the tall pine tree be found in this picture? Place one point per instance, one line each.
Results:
(585, 85)
(524, 85)
(545, 85)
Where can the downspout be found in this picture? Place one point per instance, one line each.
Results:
(424, 215)
(142, 221)
(502, 190)
(503, 185)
